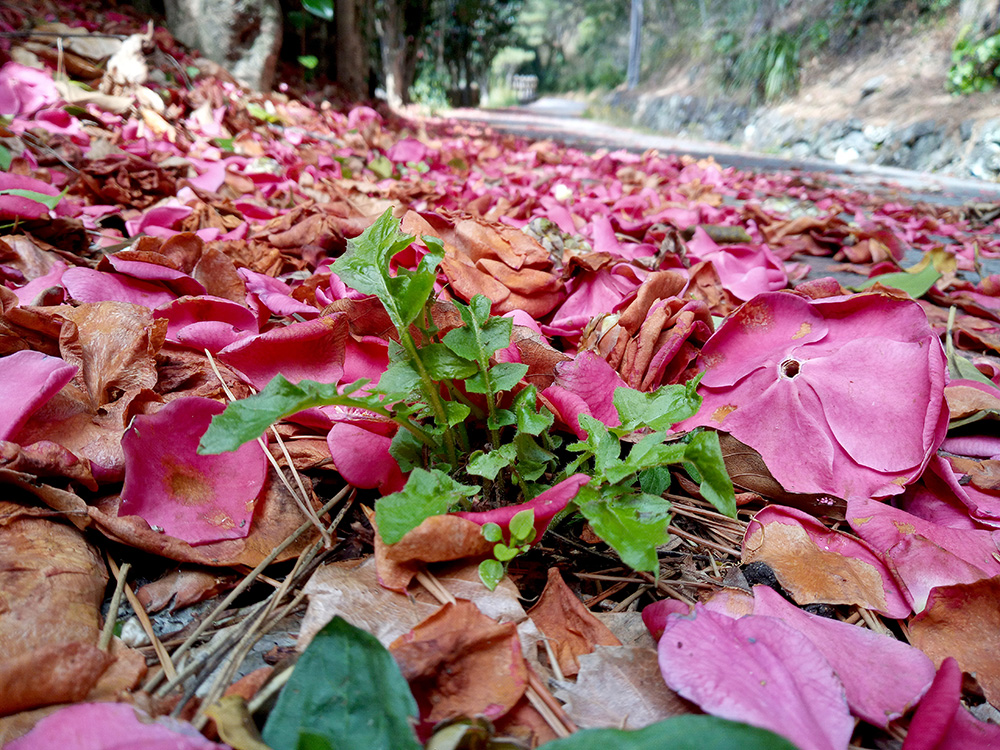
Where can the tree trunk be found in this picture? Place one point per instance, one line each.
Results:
(978, 18)
(351, 66)
(634, 45)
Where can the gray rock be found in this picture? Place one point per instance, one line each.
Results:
(872, 85)
(241, 35)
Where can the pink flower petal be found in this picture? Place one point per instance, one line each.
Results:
(111, 726)
(362, 457)
(924, 554)
(743, 270)
(407, 149)
(882, 677)
(941, 723)
(310, 350)
(28, 379)
(760, 671)
(198, 499)
(176, 281)
(546, 506)
(840, 396)
(207, 322)
(273, 294)
(88, 285)
(584, 385)
(895, 604)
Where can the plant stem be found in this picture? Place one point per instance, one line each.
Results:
(431, 390)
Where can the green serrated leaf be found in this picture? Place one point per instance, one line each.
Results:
(407, 450)
(530, 419)
(248, 418)
(915, 284)
(364, 266)
(492, 532)
(426, 493)
(658, 410)
(490, 464)
(634, 525)
(456, 412)
(604, 446)
(491, 573)
(647, 453)
(501, 418)
(655, 481)
(522, 527)
(400, 378)
(319, 8)
(346, 689)
(679, 733)
(715, 485)
(532, 459)
(444, 364)
(506, 375)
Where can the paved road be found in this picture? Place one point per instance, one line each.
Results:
(560, 120)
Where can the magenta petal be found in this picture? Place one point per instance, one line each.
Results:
(546, 506)
(654, 616)
(884, 527)
(937, 710)
(273, 294)
(408, 149)
(585, 384)
(840, 396)
(88, 285)
(882, 677)
(110, 726)
(207, 322)
(28, 379)
(760, 671)
(198, 499)
(310, 350)
(896, 605)
(362, 458)
(176, 281)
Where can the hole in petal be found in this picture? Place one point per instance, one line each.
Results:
(789, 368)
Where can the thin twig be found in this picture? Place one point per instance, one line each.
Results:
(147, 626)
(116, 599)
(241, 587)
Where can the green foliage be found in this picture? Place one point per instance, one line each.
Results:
(679, 733)
(975, 65)
(346, 691)
(319, 8)
(428, 391)
(768, 65)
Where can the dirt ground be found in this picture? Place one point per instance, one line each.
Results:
(909, 61)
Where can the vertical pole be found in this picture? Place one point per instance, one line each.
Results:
(634, 45)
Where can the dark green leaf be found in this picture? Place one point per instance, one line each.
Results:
(444, 364)
(490, 573)
(679, 733)
(248, 418)
(915, 284)
(659, 409)
(506, 375)
(532, 459)
(647, 453)
(319, 8)
(426, 494)
(604, 446)
(530, 419)
(407, 450)
(365, 267)
(455, 412)
(655, 481)
(490, 464)
(346, 691)
(634, 525)
(399, 378)
(501, 418)
(704, 452)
